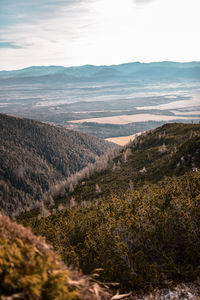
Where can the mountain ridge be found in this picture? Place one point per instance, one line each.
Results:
(92, 72)
(35, 155)
(137, 218)
(112, 65)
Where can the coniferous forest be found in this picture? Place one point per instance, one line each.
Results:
(99, 150)
(35, 156)
(134, 221)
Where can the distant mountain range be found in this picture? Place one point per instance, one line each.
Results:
(156, 71)
(34, 155)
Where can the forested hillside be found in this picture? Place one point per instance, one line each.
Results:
(34, 156)
(137, 219)
(169, 150)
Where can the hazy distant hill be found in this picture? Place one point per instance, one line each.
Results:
(137, 218)
(138, 71)
(34, 155)
(61, 95)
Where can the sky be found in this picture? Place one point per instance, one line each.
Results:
(99, 32)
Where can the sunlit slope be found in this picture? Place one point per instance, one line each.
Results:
(29, 269)
(169, 150)
(138, 219)
(142, 238)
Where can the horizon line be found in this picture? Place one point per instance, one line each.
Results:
(100, 65)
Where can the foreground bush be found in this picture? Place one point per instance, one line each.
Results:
(142, 238)
(29, 269)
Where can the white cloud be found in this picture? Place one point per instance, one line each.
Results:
(143, 1)
(100, 32)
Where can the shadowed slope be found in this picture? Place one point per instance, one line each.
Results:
(34, 155)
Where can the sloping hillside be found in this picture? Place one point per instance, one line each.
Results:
(34, 156)
(169, 150)
(142, 238)
(29, 269)
(138, 218)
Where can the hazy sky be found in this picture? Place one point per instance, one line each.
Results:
(77, 32)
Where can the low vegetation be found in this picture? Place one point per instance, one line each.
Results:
(29, 269)
(140, 239)
(138, 218)
(172, 149)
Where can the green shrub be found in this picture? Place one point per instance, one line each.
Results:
(139, 239)
(30, 268)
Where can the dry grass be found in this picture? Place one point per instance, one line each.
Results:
(183, 291)
(121, 140)
(126, 119)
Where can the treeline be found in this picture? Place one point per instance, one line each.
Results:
(172, 149)
(68, 185)
(109, 130)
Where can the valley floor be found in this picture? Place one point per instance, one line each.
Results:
(123, 140)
